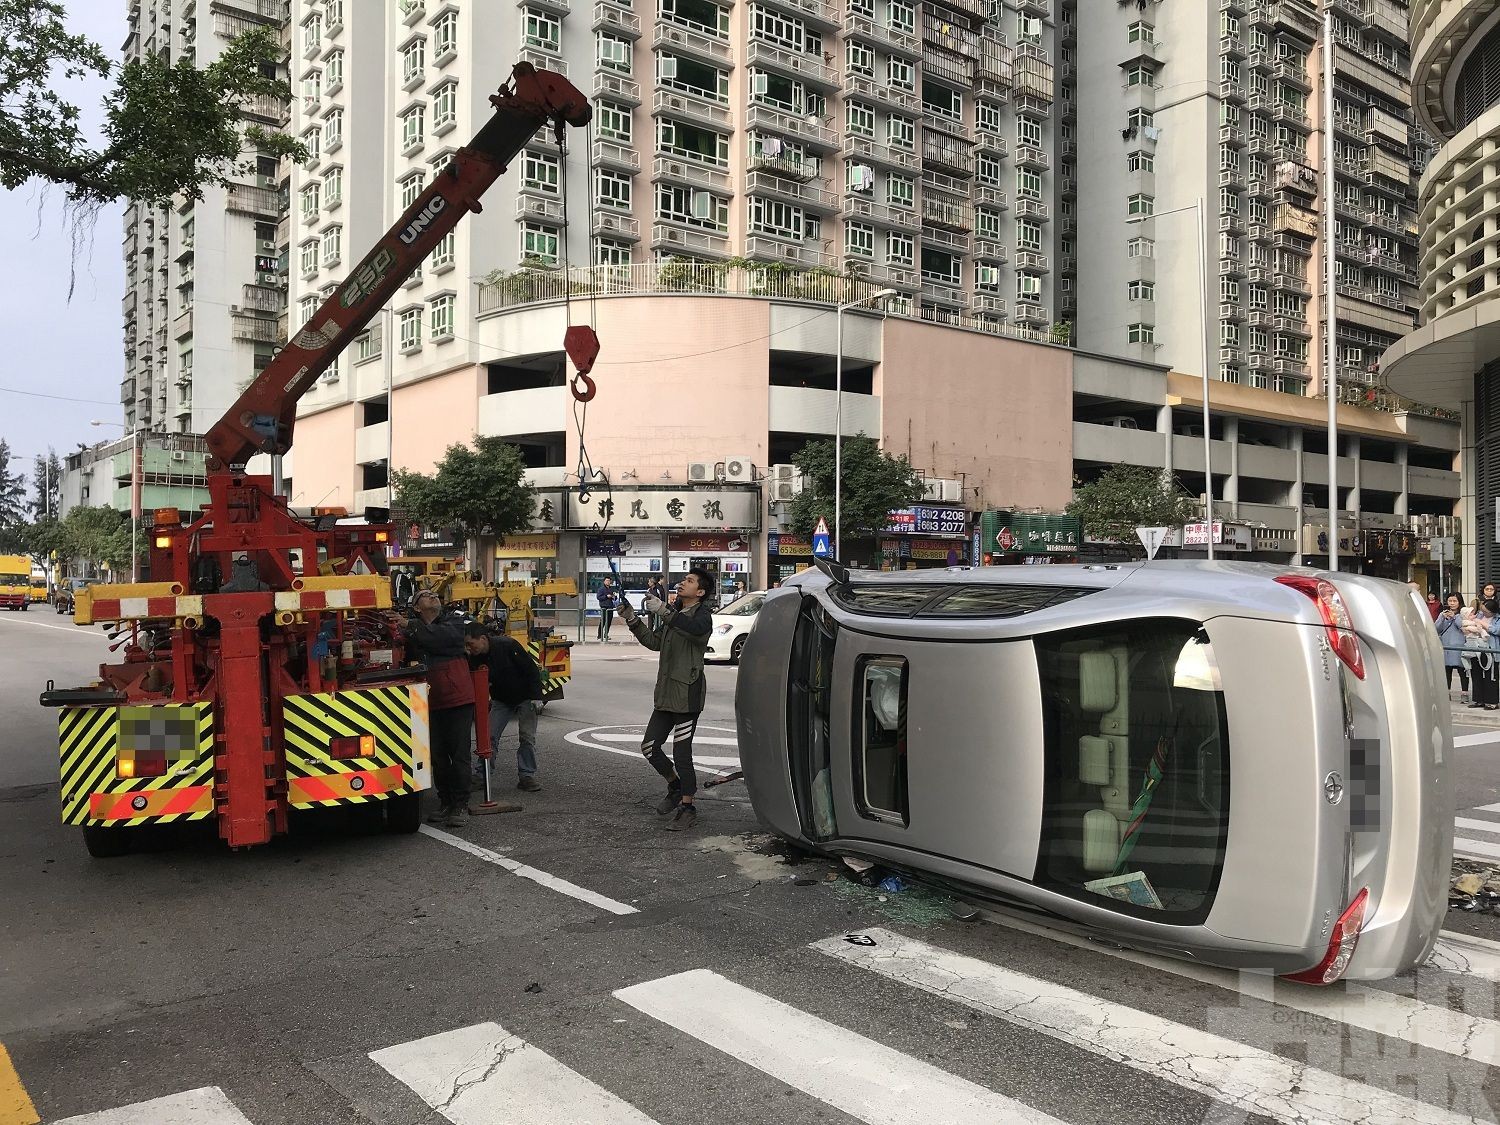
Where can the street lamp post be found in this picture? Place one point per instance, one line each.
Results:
(838, 409)
(135, 496)
(1208, 454)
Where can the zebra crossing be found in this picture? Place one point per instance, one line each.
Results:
(1476, 834)
(1420, 1062)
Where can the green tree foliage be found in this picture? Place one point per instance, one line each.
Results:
(875, 483)
(1125, 497)
(97, 536)
(169, 127)
(475, 491)
(46, 484)
(12, 490)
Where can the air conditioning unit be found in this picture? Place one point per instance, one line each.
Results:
(179, 455)
(739, 470)
(782, 473)
(784, 490)
(701, 472)
(932, 489)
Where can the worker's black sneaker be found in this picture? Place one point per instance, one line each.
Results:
(665, 806)
(457, 817)
(529, 783)
(438, 815)
(684, 818)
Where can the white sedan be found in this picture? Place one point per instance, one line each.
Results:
(732, 625)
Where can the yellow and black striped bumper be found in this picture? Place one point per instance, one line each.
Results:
(97, 745)
(400, 760)
(556, 663)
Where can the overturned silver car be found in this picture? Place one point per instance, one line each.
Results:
(1237, 763)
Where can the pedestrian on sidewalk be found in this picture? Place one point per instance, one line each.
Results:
(608, 601)
(681, 636)
(656, 588)
(1450, 630)
(1479, 645)
(439, 643)
(515, 686)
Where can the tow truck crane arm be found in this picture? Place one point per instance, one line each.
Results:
(261, 419)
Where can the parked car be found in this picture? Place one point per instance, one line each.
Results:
(732, 626)
(1237, 763)
(62, 601)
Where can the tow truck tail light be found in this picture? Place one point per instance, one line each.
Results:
(1336, 619)
(352, 746)
(138, 764)
(1341, 944)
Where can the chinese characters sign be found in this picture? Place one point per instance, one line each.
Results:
(1008, 534)
(923, 520)
(639, 509)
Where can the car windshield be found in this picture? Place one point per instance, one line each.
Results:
(1136, 804)
(15, 579)
(746, 605)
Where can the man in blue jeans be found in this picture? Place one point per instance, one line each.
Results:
(515, 686)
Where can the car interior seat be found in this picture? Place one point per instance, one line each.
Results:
(1104, 758)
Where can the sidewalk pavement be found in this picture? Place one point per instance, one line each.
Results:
(1464, 715)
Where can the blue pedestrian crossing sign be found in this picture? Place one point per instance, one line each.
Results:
(822, 544)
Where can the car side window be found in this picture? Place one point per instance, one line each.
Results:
(880, 760)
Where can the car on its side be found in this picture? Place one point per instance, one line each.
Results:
(1237, 763)
(732, 625)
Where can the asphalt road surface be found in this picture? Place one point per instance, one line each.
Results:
(572, 963)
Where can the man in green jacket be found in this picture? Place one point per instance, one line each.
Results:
(681, 636)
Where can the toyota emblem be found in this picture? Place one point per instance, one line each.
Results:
(1333, 787)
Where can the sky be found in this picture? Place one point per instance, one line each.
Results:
(54, 346)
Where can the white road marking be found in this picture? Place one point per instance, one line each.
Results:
(484, 1075)
(698, 740)
(597, 738)
(1464, 953)
(206, 1106)
(1466, 848)
(1386, 1013)
(1469, 825)
(863, 1078)
(1250, 1079)
(1486, 808)
(76, 630)
(551, 882)
(1483, 739)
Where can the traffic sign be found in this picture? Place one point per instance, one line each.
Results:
(1151, 539)
(822, 542)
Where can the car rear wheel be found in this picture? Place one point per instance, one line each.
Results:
(404, 813)
(104, 842)
(736, 649)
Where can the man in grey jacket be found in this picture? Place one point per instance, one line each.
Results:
(681, 636)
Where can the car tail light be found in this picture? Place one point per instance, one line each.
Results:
(1336, 617)
(352, 746)
(1341, 944)
(136, 764)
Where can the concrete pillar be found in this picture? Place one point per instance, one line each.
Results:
(1403, 461)
(1164, 427)
(1232, 483)
(1353, 505)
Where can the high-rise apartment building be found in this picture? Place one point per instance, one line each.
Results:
(1221, 103)
(203, 291)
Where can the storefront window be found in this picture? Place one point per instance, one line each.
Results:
(1136, 806)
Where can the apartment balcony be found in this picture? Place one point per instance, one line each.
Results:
(1028, 208)
(986, 141)
(1292, 283)
(545, 60)
(259, 298)
(956, 157)
(950, 214)
(182, 325)
(1233, 92)
(261, 330)
(942, 293)
(882, 93)
(859, 209)
(1378, 296)
(905, 43)
(128, 305)
(1286, 114)
(1386, 18)
(1231, 268)
(1297, 368)
(1028, 313)
(893, 277)
(539, 207)
(1029, 105)
(695, 44)
(953, 69)
(1382, 126)
(817, 12)
(678, 239)
(955, 242)
(802, 255)
(809, 196)
(690, 173)
(883, 155)
(1292, 326)
(127, 390)
(1231, 223)
(617, 87)
(1293, 74)
(787, 167)
(697, 109)
(815, 133)
(261, 202)
(1232, 136)
(620, 158)
(992, 197)
(989, 304)
(1295, 221)
(1032, 262)
(976, 10)
(1381, 164)
(621, 21)
(810, 69)
(267, 107)
(990, 250)
(1391, 264)
(1231, 312)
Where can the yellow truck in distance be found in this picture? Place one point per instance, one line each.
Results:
(15, 581)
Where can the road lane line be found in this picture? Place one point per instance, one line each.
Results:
(1477, 739)
(76, 630)
(863, 1078)
(1385, 1013)
(205, 1106)
(484, 1075)
(1469, 825)
(1236, 1074)
(581, 739)
(15, 1102)
(698, 739)
(1465, 848)
(551, 882)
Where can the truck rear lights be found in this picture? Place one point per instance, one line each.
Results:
(141, 764)
(1336, 619)
(1341, 944)
(352, 746)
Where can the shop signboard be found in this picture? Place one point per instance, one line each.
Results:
(924, 519)
(779, 543)
(1011, 534)
(640, 509)
(527, 547)
(699, 544)
(547, 511)
(941, 550)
